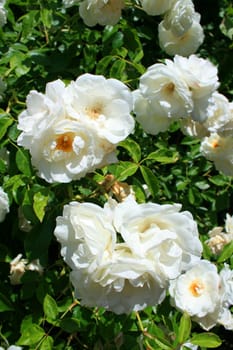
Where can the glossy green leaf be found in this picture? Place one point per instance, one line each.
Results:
(150, 180)
(207, 340)
(5, 122)
(164, 156)
(47, 343)
(123, 170)
(23, 162)
(31, 335)
(184, 328)
(133, 148)
(40, 202)
(226, 253)
(50, 308)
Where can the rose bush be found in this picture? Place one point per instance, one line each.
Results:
(101, 135)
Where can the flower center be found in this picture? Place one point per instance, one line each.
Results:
(196, 288)
(94, 112)
(215, 144)
(169, 88)
(64, 142)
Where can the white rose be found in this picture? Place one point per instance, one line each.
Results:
(164, 95)
(180, 17)
(156, 7)
(63, 148)
(219, 150)
(104, 273)
(124, 284)
(104, 105)
(86, 235)
(201, 85)
(220, 115)
(4, 204)
(150, 115)
(196, 291)
(183, 45)
(160, 233)
(204, 294)
(103, 12)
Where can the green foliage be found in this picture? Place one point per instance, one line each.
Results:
(42, 41)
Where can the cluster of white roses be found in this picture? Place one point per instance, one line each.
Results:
(173, 90)
(178, 90)
(73, 130)
(126, 256)
(180, 31)
(216, 133)
(2, 13)
(122, 256)
(205, 294)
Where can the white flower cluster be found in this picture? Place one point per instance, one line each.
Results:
(3, 13)
(103, 12)
(122, 256)
(174, 90)
(72, 130)
(19, 266)
(205, 294)
(216, 133)
(180, 32)
(218, 238)
(4, 204)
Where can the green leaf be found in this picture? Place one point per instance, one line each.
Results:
(46, 17)
(207, 340)
(70, 325)
(50, 308)
(226, 253)
(40, 202)
(23, 162)
(219, 180)
(150, 179)
(123, 170)
(47, 343)
(103, 64)
(118, 68)
(184, 328)
(5, 303)
(161, 345)
(5, 122)
(31, 335)
(133, 148)
(164, 156)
